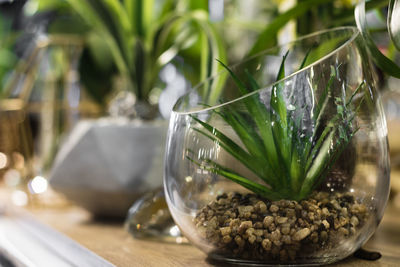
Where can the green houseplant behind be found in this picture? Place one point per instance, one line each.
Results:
(141, 37)
(136, 39)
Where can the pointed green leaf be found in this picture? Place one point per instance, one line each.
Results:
(394, 22)
(267, 38)
(261, 117)
(232, 148)
(262, 190)
(380, 60)
(279, 124)
(318, 166)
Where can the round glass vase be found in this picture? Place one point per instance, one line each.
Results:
(282, 158)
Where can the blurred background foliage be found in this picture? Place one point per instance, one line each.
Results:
(135, 40)
(123, 34)
(128, 44)
(8, 59)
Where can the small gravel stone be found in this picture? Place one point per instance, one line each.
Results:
(301, 234)
(285, 229)
(252, 239)
(261, 207)
(314, 237)
(245, 225)
(248, 226)
(291, 213)
(268, 220)
(272, 227)
(326, 224)
(344, 212)
(259, 232)
(325, 212)
(245, 211)
(239, 241)
(225, 230)
(273, 208)
(281, 220)
(275, 235)
(250, 231)
(234, 223)
(354, 221)
(358, 208)
(266, 244)
(336, 204)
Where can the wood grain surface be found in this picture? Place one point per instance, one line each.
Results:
(109, 240)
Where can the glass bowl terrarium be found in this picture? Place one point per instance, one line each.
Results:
(281, 158)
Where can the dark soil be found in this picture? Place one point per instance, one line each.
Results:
(250, 227)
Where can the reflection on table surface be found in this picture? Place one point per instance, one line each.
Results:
(111, 241)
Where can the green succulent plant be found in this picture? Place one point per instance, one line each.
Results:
(135, 39)
(288, 165)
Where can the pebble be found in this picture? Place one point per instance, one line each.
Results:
(225, 230)
(250, 231)
(268, 220)
(261, 207)
(314, 237)
(325, 212)
(259, 232)
(273, 208)
(326, 224)
(245, 225)
(252, 239)
(276, 235)
(239, 241)
(249, 226)
(281, 220)
(285, 229)
(354, 221)
(266, 244)
(335, 204)
(301, 234)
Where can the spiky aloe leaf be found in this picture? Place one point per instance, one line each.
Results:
(262, 120)
(255, 165)
(279, 123)
(262, 190)
(290, 165)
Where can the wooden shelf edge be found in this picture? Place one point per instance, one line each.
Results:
(26, 242)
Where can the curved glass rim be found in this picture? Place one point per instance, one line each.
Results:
(355, 31)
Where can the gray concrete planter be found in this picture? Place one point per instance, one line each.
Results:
(106, 164)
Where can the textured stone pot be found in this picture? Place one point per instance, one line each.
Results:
(106, 164)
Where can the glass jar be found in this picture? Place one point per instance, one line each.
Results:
(51, 101)
(283, 158)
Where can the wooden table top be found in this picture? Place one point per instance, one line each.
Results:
(110, 241)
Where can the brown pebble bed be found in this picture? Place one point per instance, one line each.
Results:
(246, 226)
